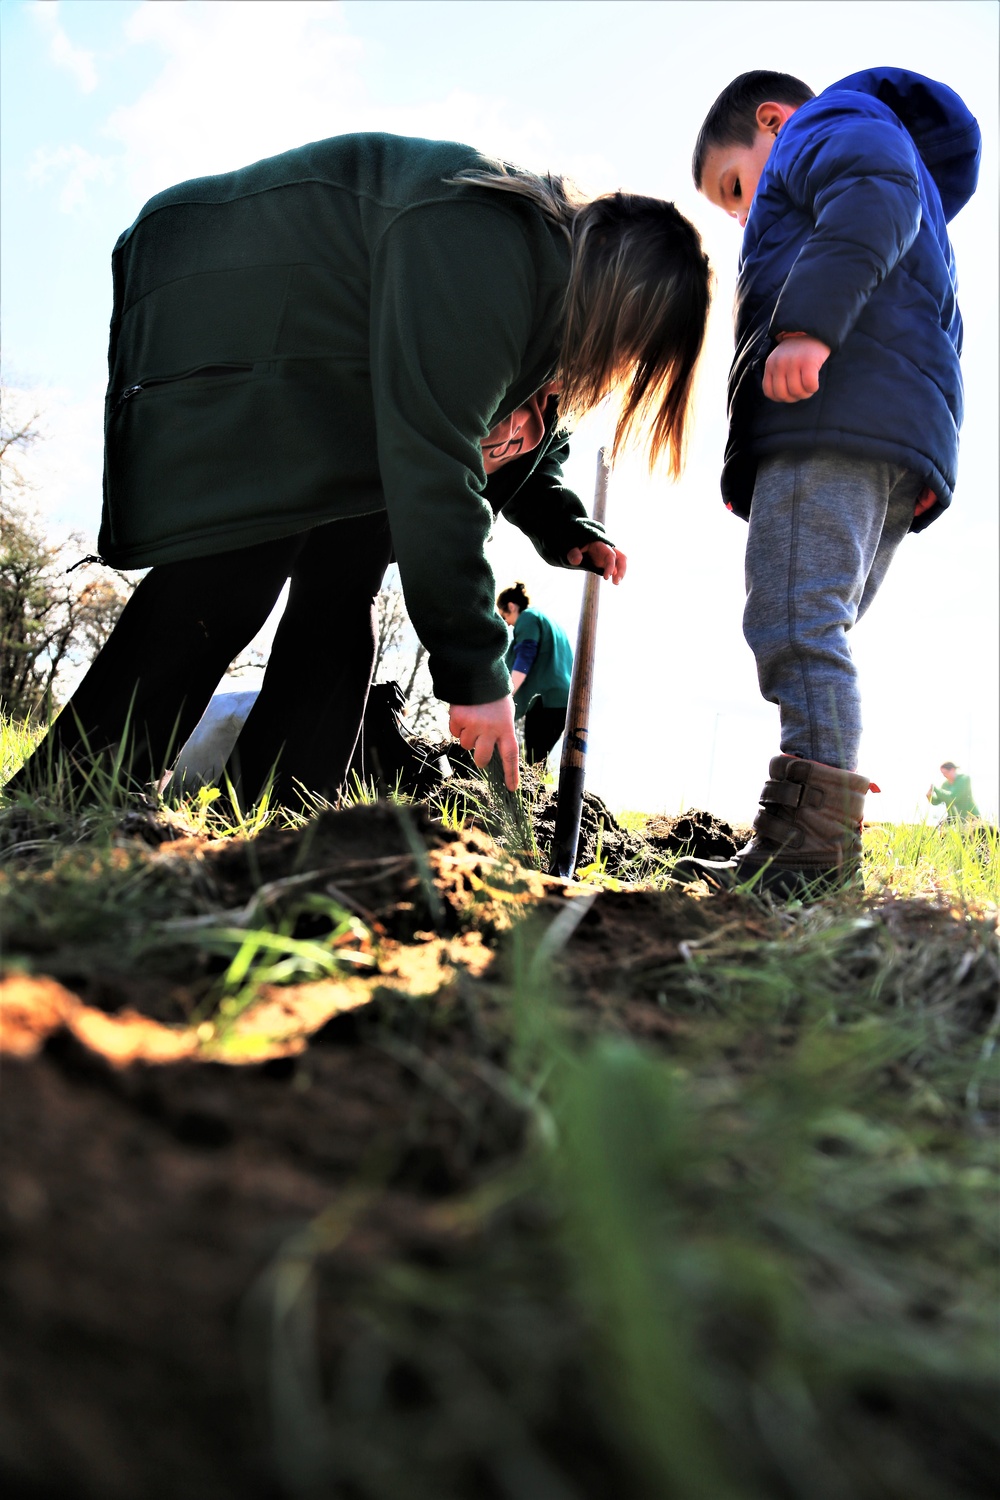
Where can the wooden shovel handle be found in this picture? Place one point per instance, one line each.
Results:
(569, 798)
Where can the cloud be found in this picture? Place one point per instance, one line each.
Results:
(79, 168)
(75, 60)
(237, 82)
(240, 82)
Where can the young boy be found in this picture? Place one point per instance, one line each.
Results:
(845, 400)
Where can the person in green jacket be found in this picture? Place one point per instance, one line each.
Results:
(956, 794)
(540, 662)
(361, 349)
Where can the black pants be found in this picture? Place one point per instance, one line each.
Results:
(187, 621)
(542, 727)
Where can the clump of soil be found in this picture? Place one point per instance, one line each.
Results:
(698, 834)
(601, 835)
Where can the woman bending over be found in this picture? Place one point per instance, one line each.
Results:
(540, 663)
(364, 348)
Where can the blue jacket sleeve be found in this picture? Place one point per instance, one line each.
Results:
(525, 653)
(856, 177)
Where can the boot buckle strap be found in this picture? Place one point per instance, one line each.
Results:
(782, 793)
(791, 794)
(778, 830)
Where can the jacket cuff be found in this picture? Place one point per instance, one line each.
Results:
(469, 685)
(781, 327)
(575, 533)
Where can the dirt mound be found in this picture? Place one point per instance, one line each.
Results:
(417, 765)
(602, 838)
(696, 833)
(623, 853)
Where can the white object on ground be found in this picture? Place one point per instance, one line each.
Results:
(203, 756)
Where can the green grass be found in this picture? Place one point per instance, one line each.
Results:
(18, 737)
(632, 820)
(63, 813)
(960, 862)
(261, 957)
(482, 797)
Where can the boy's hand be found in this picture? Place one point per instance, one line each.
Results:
(792, 370)
(610, 560)
(480, 726)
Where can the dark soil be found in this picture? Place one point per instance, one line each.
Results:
(148, 1208)
(143, 1205)
(699, 834)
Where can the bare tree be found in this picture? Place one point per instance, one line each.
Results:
(17, 434)
(401, 657)
(391, 625)
(50, 620)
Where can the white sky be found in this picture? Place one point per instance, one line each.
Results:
(105, 102)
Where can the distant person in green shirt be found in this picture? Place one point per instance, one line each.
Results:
(364, 348)
(956, 794)
(540, 663)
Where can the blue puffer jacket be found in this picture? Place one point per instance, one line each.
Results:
(846, 240)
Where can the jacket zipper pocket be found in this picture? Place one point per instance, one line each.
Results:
(133, 390)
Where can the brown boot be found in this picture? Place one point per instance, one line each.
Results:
(807, 834)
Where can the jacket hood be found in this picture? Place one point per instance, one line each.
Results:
(944, 131)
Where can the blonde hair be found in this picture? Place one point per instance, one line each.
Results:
(635, 309)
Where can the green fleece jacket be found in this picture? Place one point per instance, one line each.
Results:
(551, 672)
(328, 333)
(957, 798)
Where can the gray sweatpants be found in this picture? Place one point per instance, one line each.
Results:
(824, 527)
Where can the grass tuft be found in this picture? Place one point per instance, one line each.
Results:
(482, 798)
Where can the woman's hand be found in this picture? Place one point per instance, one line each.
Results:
(481, 726)
(610, 560)
(792, 370)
